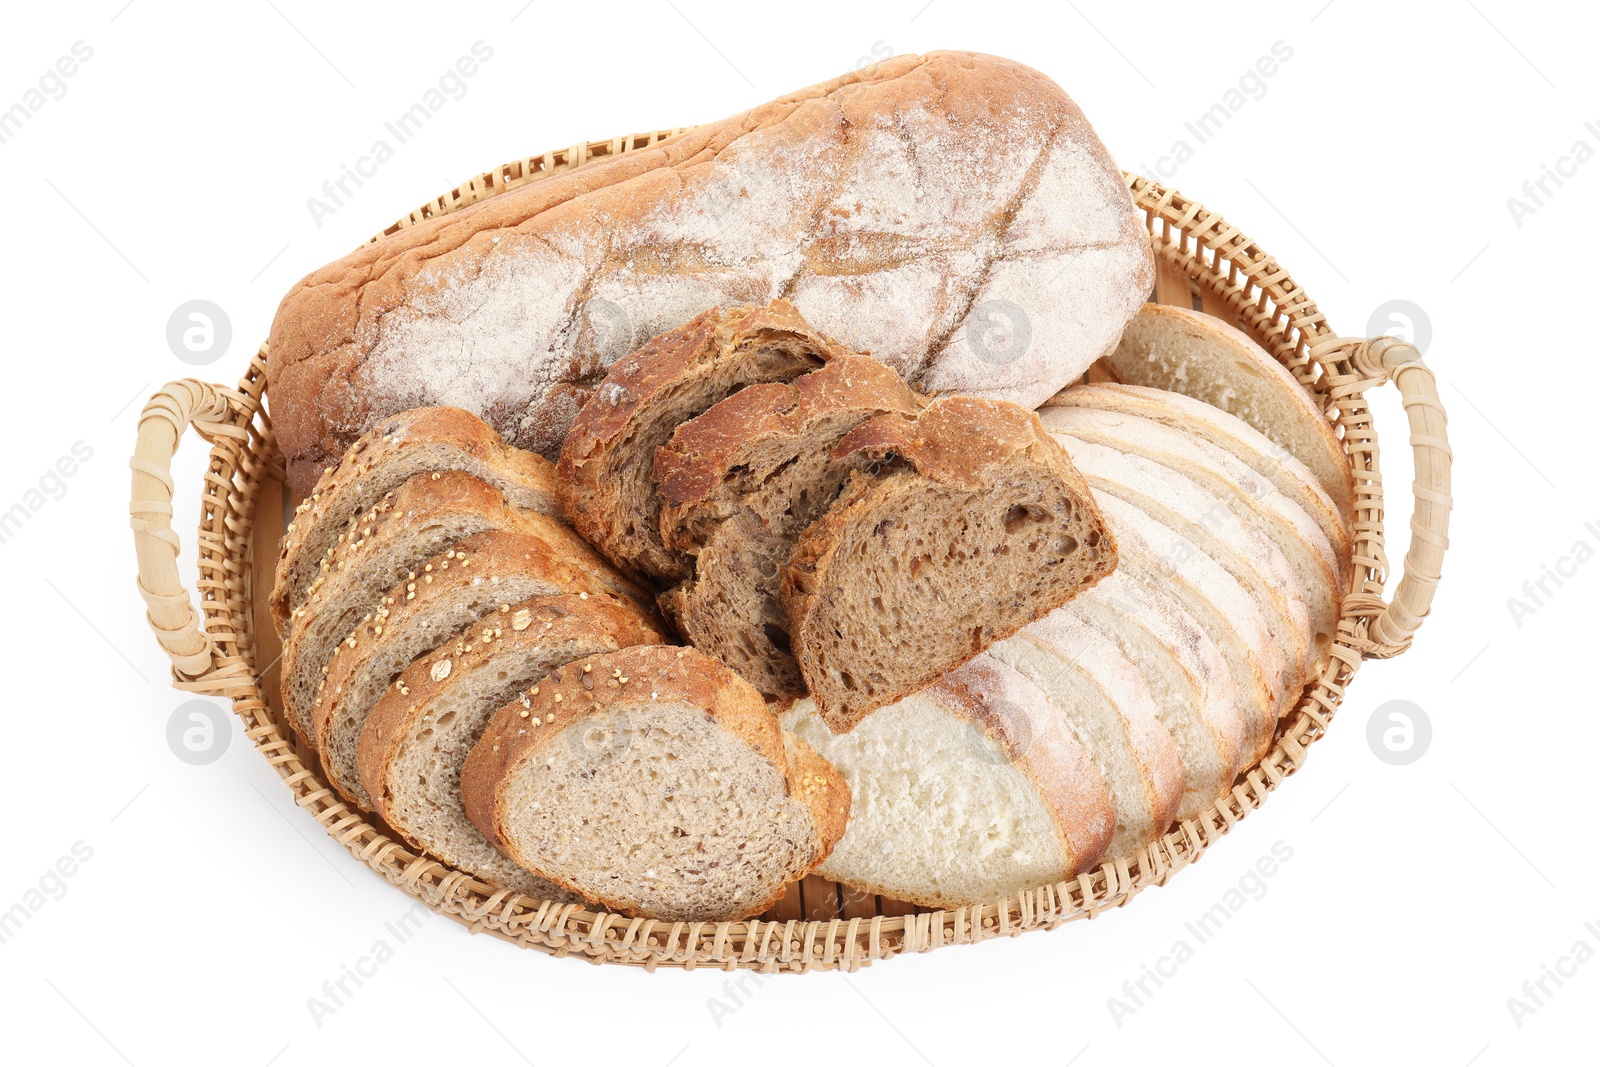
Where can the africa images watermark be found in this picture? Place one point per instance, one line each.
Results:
(51, 485)
(1536, 993)
(1537, 592)
(337, 992)
(51, 85)
(51, 885)
(1537, 192)
(1250, 85)
(451, 85)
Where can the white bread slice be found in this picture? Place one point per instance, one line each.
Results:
(1252, 499)
(1203, 357)
(481, 576)
(1194, 693)
(970, 790)
(655, 781)
(1231, 434)
(393, 544)
(1225, 609)
(413, 442)
(1207, 520)
(418, 736)
(1105, 702)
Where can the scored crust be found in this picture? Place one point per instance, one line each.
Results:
(653, 673)
(379, 462)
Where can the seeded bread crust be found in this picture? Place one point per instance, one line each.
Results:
(897, 206)
(739, 484)
(962, 444)
(369, 552)
(407, 443)
(652, 673)
(507, 566)
(606, 470)
(599, 621)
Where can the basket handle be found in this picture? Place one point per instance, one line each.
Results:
(1383, 629)
(197, 664)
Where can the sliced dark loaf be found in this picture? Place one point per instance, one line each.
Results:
(655, 781)
(607, 461)
(414, 743)
(418, 441)
(738, 485)
(481, 576)
(968, 523)
(394, 544)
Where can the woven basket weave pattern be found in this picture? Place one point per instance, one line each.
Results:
(1202, 262)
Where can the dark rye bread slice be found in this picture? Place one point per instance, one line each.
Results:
(393, 543)
(655, 781)
(739, 484)
(418, 441)
(418, 736)
(967, 523)
(481, 576)
(606, 469)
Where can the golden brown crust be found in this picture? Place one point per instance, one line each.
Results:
(658, 672)
(606, 621)
(334, 500)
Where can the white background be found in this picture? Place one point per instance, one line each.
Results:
(1377, 165)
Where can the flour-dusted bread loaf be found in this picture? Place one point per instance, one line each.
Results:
(968, 523)
(953, 214)
(392, 545)
(482, 576)
(412, 442)
(970, 790)
(1203, 357)
(655, 781)
(739, 484)
(1233, 435)
(1192, 690)
(414, 743)
(608, 460)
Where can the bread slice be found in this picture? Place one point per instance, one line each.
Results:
(1193, 692)
(1206, 520)
(422, 440)
(739, 484)
(969, 523)
(419, 734)
(1233, 435)
(1251, 498)
(394, 544)
(1203, 357)
(654, 781)
(1227, 611)
(970, 790)
(1106, 703)
(481, 576)
(608, 459)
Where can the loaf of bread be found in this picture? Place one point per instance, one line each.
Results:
(738, 486)
(965, 524)
(414, 744)
(953, 214)
(654, 781)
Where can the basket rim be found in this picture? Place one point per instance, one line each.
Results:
(1224, 269)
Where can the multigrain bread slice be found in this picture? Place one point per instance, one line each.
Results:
(1251, 498)
(608, 459)
(486, 575)
(413, 745)
(1231, 434)
(968, 523)
(1227, 611)
(968, 791)
(1105, 701)
(1203, 357)
(655, 781)
(739, 484)
(422, 440)
(393, 544)
(1192, 689)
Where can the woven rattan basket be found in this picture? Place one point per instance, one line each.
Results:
(1202, 262)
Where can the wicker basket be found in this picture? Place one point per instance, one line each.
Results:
(1202, 262)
